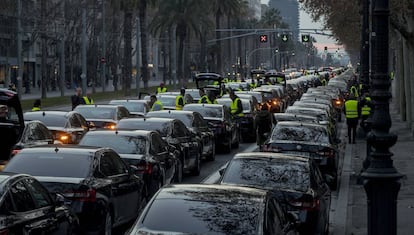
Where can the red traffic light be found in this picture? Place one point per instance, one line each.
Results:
(263, 38)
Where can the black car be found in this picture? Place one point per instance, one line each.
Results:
(137, 108)
(11, 122)
(94, 181)
(213, 209)
(28, 208)
(195, 123)
(218, 117)
(103, 116)
(155, 161)
(35, 133)
(67, 127)
(295, 180)
(310, 140)
(175, 133)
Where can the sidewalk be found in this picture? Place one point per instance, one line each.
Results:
(403, 150)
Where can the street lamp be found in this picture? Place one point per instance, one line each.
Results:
(381, 178)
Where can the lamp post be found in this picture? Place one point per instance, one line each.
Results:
(381, 179)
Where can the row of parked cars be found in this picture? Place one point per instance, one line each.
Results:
(96, 172)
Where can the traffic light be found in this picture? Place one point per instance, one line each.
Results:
(305, 38)
(263, 38)
(284, 37)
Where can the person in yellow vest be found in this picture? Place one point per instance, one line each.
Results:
(354, 91)
(179, 100)
(352, 113)
(236, 108)
(392, 75)
(155, 104)
(203, 97)
(36, 105)
(161, 88)
(366, 107)
(87, 99)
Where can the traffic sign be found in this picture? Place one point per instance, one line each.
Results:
(263, 38)
(284, 37)
(305, 38)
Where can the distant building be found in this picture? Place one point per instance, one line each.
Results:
(289, 10)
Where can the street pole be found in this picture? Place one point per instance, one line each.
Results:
(174, 56)
(138, 58)
(103, 63)
(364, 75)
(84, 68)
(381, 179)
(19, 50)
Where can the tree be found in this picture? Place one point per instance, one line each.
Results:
(185, 16)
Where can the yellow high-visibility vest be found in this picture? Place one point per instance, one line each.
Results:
(234, 107)
(366, 110)
(204, 100)
(161, 89)
(177, 105)
(351, 109)
(87, 100)
(34, 109)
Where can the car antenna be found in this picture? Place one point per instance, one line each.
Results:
(43, 114)
(56, 149)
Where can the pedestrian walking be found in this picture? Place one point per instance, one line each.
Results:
(263, 124)
(155, 104)
(161, 88)
(36, 105)
(76, 98)
(87, 99)
(352, 113)
(179, 100)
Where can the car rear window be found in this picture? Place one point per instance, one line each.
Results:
(56, 164)
(301, 133)
(92, 112)
(187, 119)
(205, 111)
(207, 216)
(48, 120)
(268, 173)
(131, 106)
(121, 144)
(162, 127)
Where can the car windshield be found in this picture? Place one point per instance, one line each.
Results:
(131, 106)
(204, 213)
(48, 120)
(167, 100)
(316, 134)
(121, 144)
(92, 112)
(268, 173)
(51, 163)
(206, 111)
(162, 127)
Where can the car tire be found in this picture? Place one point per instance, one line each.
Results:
(179, 175)
(197, 169)
(212, 156)
(107, 229)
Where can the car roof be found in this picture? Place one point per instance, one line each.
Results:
(130, 100)
(67, 148)
(302, 124)
(281, 156)
(147, 119)
(175, 112)
(208, 105)
(119, 132)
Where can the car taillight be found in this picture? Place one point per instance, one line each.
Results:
(4, 232)
(145, 168)
(110, 126)
(269, 148)
(327, 153)
(14, 152)
(306, 205)
(84, 196)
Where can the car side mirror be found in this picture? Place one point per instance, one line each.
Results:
(59, 200)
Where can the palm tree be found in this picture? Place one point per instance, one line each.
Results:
(185, 16)
(220, 9)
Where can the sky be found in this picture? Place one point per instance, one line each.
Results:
(306, 22)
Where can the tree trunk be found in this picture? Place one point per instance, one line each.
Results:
(114, 55)
(44, 47)
(127, 65)
(219, 67)
(144, 36)
(180, 72)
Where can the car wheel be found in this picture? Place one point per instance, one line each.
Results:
(212, 155)
(179, 172)
(108, 223)
(197, 168)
